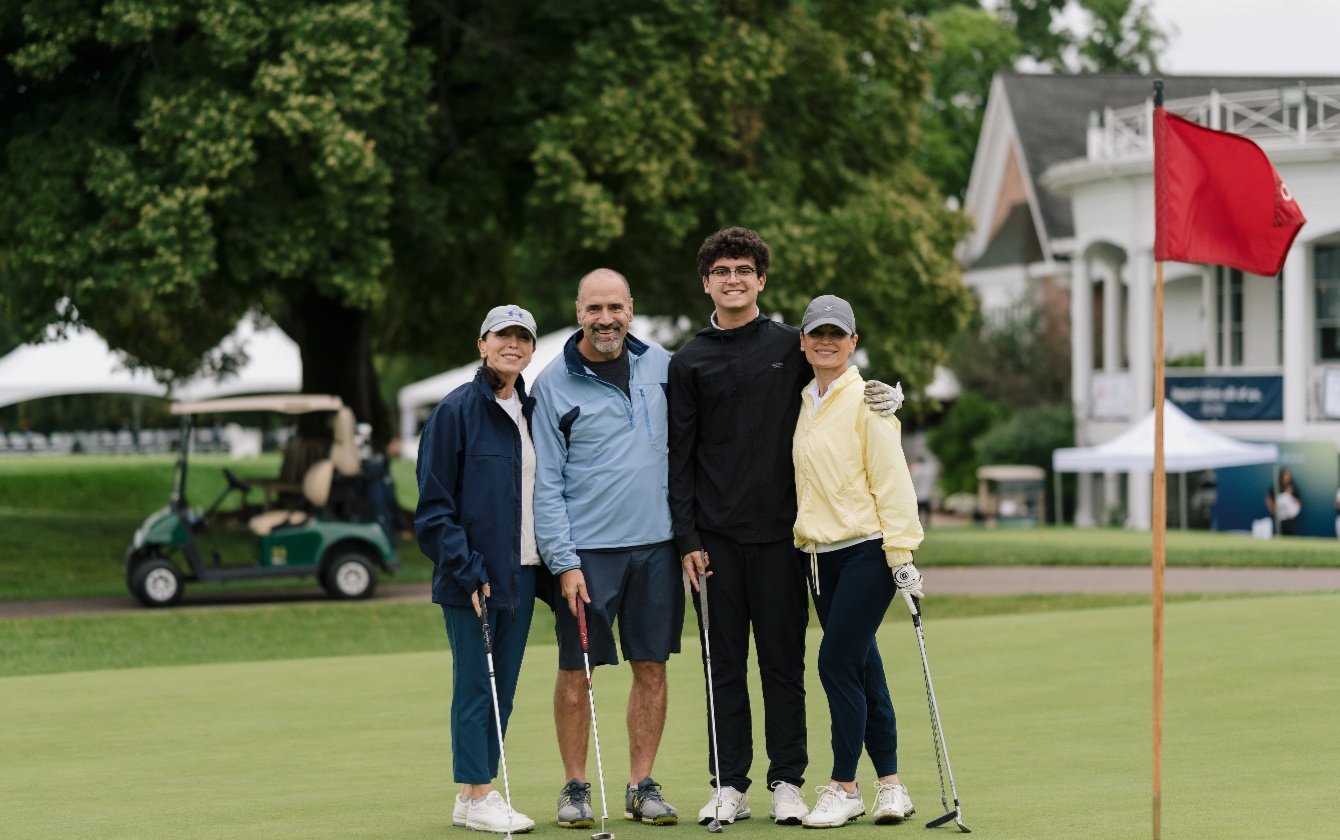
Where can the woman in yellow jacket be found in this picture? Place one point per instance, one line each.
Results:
(857, 521)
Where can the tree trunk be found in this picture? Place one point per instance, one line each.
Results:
(336, 348)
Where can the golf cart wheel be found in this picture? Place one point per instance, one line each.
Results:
(156, 583)
(349, 576)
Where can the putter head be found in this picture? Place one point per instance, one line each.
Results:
(602, 835)
(954, 815)
(714, 827)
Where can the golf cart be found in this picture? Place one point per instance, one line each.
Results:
(326, 515)
(1010, 495)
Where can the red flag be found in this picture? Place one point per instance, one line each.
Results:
(1217, 199)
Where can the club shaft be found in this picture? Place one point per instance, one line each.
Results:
(591, 699)
(711, 693)
(497, 709)
(941, 745)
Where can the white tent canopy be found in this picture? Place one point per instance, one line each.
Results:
(1187, 446)
(82, 363)
(428, 392)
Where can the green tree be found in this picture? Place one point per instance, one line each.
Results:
(170, 165)
(377, 172)
(651, 124)
(954, 441)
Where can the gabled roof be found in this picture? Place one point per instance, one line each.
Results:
(1049, 115)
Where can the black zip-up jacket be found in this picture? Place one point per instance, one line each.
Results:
(734, 400)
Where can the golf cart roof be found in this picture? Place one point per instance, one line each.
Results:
(1011, 472)
(283, 403)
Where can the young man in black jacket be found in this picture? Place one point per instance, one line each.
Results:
(734, 399)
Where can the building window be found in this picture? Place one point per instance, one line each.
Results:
(1228, 322)
(1326, 260)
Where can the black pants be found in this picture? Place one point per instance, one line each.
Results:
(763, 585)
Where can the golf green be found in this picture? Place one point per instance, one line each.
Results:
(1047, 716)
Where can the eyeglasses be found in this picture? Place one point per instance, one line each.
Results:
(723, 273)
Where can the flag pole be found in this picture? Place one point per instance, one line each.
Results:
(1160, 525)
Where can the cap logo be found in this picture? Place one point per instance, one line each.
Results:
(828, 308)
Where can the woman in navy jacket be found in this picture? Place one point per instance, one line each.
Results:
(476, 472)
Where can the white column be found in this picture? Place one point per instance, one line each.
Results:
(1113, 295)
(1112, 315)
(1209, 323)
(1140, 330)
(1081, 371)
(1297, 342)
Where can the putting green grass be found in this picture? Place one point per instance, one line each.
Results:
(1047, 717)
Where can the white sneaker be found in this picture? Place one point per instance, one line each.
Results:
(490, 813)
(892, 804)
(788, 806)
(733, 805)
(834, 808)
(459, 810)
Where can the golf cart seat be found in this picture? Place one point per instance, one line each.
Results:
(316, 491)
(301, 453)
(343, 447)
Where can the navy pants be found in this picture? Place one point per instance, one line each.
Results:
(474, 733)
(762, 585)
(855, 590)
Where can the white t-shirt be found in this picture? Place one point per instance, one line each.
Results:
(530, 552)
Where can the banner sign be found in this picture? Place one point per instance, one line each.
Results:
(1228, 397)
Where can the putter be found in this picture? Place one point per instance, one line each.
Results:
(937, 734)
(595, 728)
(713, 827)
(497, 712)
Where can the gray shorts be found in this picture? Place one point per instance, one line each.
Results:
(642, 589)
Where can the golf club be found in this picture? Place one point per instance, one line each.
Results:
(937, 734)
(497, 712)
(714, 826)
(595, 728)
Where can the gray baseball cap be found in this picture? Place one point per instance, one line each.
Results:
(508, 315)
(829, 309)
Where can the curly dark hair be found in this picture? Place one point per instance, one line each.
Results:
(734, 243)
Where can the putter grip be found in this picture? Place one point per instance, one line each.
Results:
(581, 623)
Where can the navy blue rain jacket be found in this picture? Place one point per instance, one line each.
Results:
(468, 521)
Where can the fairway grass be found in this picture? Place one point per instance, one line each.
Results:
(1047, 716)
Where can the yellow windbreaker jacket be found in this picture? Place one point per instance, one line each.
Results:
(852, 478)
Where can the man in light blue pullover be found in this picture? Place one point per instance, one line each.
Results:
(602, 522)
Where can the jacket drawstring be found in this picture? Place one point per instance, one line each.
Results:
(814, 568)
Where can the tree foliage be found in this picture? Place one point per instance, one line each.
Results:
(635, 129)
(376, 173)
(171, 165)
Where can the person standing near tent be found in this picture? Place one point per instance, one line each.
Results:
(476, 472)
(857, 522)
(1285, 504)
(602, 518)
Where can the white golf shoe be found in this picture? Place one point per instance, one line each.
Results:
(892, 804)
(490, 813)
(459, 810)
(727, 805)
(834, 808)
(788, 806)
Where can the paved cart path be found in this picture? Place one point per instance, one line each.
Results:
(951, 580)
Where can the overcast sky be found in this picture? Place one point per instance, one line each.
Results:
(1246, 37)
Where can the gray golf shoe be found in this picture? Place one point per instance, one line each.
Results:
(645, 804)
(574, 805)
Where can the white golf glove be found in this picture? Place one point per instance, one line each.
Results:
(908, 580)
(883, 399)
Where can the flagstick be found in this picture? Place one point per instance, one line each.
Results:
(1160, 532)
(1160, 496)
